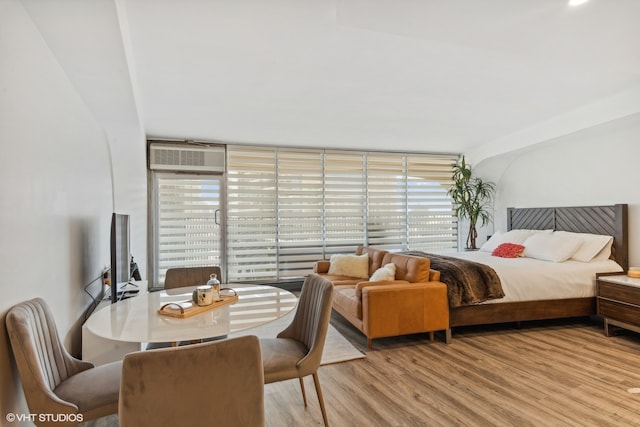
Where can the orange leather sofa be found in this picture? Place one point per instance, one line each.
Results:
(414, 302)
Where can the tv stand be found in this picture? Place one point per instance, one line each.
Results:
(127, 290)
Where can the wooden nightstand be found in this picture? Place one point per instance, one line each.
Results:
(618, 301)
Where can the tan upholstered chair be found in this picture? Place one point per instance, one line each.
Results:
(54, 382)
(180, 278)
(218, 383)
(297, 351)
(190, 276)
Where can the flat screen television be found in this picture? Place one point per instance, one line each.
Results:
(120, 256)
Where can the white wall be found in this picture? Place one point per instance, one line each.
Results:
(595, 166)
(57, 189)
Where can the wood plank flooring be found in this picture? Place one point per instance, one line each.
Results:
(558, 373)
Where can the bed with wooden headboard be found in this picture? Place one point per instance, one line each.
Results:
(606, 220)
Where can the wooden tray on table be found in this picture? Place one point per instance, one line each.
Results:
(185, 309)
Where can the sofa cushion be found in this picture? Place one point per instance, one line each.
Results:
(375, 257)
(321, 267)
(409, 268)
(100, 390)
(345, 297)
(387, 272)
(350, 265)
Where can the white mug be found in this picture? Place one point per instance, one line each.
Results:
(204, 295)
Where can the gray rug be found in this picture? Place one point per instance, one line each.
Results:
(336, 347)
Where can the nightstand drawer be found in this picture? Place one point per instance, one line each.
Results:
(622, 293)
(619, 311)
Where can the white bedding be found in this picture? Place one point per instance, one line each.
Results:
(528, 279)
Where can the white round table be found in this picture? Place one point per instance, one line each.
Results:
(137, 320)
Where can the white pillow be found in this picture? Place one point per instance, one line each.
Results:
(384, 273)
(350, 265)
(592, 245)
(512, 236)
(605, 253)
(551, 247)
(494, 241)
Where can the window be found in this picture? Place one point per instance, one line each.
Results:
(387, 201)
(277, 210)
(345, 201)
(287, 207)
(186, 223)
(252, 223)
(431, 223)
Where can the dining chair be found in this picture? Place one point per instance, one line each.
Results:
(55, 382)
(218, 383)
(190, 276)
(180, 277)
(296, 352)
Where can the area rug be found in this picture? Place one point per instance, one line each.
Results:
(336, 347)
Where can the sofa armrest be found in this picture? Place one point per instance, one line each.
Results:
(361, 285)
(321, 267)
(434, 275)
(399, 309)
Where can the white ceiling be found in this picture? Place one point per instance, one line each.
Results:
(421, 75)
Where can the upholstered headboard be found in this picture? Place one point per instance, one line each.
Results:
(607, 220)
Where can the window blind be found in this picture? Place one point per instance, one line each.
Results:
(345, 207)
(387, 201)
(287, 208)
(185, 225)
(431, 222)
(252, 221)
(300, 211)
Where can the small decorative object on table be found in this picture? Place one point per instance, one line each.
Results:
(203, 295)
(634, 272)
(215, 283)
(186, 309)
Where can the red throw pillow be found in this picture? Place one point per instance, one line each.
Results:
(508, 250)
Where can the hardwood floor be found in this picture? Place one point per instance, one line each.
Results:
(559, 373)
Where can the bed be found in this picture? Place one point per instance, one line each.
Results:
(572, 301)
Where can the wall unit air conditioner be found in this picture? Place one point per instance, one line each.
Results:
(186, 158)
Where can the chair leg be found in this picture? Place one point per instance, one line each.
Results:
(316, 381)
(304, 395)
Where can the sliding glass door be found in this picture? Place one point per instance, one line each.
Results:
(188, 222)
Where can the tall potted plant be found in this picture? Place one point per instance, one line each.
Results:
(472, 197)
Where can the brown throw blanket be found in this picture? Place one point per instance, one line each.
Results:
(467, 282)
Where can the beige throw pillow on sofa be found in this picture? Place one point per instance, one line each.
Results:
(350, 266)
(384, 273)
